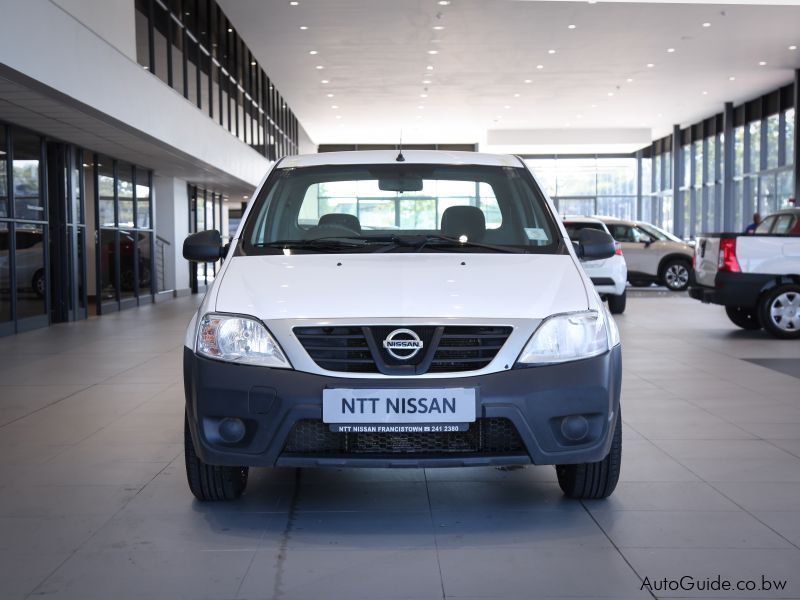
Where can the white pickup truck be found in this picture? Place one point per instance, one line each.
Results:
(756, 277)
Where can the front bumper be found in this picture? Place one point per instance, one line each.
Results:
(271, 402)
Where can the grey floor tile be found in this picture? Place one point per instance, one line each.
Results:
(785, 523)
(189, 575)
(509, 496)
(687, 529)
(658, 496)
(762, 496)
(299, 574)
(577, 572)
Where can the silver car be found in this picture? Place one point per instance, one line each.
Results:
(652, 254)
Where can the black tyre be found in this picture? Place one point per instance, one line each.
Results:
(779, 311)
(587, 481)
(38, 283)
(746, 318)
(616, 304)
(675, 274)
(209, 482)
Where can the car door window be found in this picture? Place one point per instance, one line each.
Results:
(765, 225)
(623, 233)
(783, 224)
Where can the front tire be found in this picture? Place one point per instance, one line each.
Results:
(616, 304)
(591, 481)
(746, 318)
(211, 483)
(675, 275)
(779, 310)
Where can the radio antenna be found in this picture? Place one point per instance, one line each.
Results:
(400, 157)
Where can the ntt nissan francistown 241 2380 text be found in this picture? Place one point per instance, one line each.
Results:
(421, 309)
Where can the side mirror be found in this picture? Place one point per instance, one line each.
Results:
(594, 244)
(203, 246)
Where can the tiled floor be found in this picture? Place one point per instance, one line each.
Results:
(93, 502)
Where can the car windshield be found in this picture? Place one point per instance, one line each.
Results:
(659, 233)
(400, 208)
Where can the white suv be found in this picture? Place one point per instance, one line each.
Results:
(653, 255)
(609, 275)
(422, 309)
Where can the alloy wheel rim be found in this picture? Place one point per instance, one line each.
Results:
(677, 276)
(785, 311)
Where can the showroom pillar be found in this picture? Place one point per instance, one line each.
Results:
(172, 227)
(796, 137)
(727, 168)
(677, 180)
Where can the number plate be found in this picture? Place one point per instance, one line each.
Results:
(342, 408)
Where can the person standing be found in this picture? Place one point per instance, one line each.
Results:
(751, 229)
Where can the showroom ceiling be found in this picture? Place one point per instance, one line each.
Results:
(363, 70)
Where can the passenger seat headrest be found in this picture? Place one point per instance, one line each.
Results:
(464, 220)
(345, 220)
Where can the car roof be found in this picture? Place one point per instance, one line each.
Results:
(617, 221)
(580, 219)
(786, 211)
(373, 157)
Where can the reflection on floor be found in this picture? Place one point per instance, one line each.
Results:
(93, 502)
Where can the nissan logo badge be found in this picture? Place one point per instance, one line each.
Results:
(402, 344)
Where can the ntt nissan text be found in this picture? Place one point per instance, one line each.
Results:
(401, 309)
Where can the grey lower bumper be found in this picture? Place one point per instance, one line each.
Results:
(271, 401)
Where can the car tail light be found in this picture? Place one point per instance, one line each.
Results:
(727, 256)
(617, 248)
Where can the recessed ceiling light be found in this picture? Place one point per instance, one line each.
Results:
(629, 80)
(423, 95)
(516, 95)
(567, 125)
(571, 26)
(320, 67)
(610, 94)
(145, 67)
(324, 81)
(303, 27)
(705, 93)
(293, 3)
(650, 65)
(313, 52)
(540, 66)
(420, 107)
(528, 81)
(506, 107)
(433, 52)
(578, 116)
(230, 29)
(334, 106)
(551, 51)
(338, 116)
(444, 2)
(659, 115)
(762, 63)
(793, 47)
(594, 106)
(706, 24)
(731, 78)
(330, 95)
(592, 1)
(252, 63)
(438, 27)
(670, 50)
(426, 81)
(429, 67)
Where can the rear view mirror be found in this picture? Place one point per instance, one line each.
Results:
(594, 244)
(203, 246)
(400, 184)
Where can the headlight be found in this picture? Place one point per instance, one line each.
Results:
(570, 336)
(613, 330)
(238, 339)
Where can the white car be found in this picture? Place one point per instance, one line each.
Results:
(421, 309)
(609, 275)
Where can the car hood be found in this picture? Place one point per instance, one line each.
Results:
(343, 286)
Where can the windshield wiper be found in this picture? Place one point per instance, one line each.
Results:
(389, 243)
(440, 241)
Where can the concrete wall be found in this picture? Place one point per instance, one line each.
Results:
(113, 20)
(172, 224)
(49, 45)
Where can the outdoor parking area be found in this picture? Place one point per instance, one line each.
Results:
(94, 501)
